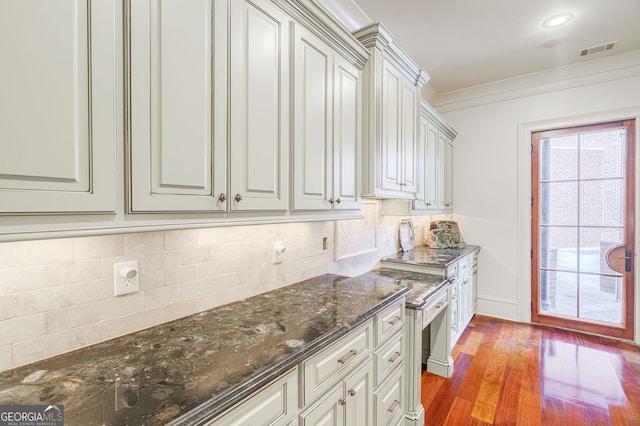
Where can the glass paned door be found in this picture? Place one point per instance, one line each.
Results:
(582, 228)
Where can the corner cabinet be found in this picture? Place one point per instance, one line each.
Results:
(327, 137)
(392, 83)
(59, 106)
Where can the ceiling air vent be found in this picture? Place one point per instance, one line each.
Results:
(599, 48)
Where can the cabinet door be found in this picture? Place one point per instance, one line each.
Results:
(347, 135)
(442, 169)
(312, 138)
(358, 396)
(178, 105)
(328, 412)
(429, 156)
(390, 143)
(259, 106)
(448, 174)
(58, 106)
(409, 129)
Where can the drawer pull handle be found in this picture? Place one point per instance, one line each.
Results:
(395, 357)
(348, 356)
(439, 305)
(397, 319)
(352, 392)
(342, 402)
(394, 406)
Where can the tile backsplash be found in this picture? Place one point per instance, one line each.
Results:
(57, 295)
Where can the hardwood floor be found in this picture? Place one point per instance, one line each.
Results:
(508, 373)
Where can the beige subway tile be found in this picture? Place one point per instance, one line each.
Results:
(47, 299)
(72, 272)
(7, 309)
(197, 288)
(72, 317)
(211, 269)
(106, 264)
(99, 247)
(91, 291)
(181, 309)
(179, 275)
(151, 279)
(41, 252)
(15, 280)
(143, 320)
(5, 255)
(237, 264)
(6, 358)
(22, 328)
(160, 260)
(210, 236)
(227, 251)
(161, 296)
(120, 306)
(40, 348)
(195, 255)
(144, 242)
(180, 239)
(212, 300)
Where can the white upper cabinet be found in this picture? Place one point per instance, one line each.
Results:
(178, 105)
(259, 106)
(327, 126)
(58, 106)
(392, 83)
(435, 162)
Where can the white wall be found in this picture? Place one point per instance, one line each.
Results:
(492, 169)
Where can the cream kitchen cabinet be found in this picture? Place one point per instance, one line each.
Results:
(436, 162)
(392, 83)
(348, 403)
(178, 109)
(327, 126)
(463, 274)
(59, 106)
(274, 405)
(180, 158)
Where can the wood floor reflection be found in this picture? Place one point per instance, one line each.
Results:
(508, 373)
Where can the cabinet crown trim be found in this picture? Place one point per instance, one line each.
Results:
(376, 36)
(432, 115)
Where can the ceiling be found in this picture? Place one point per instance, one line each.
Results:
(465, 43)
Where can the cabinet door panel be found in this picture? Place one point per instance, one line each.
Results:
(347, 138)
(177, 149)
(391, 110)
(409, 138)
(259, 106)
(312, 122)
(328, 412)
(442, 167)
(358, 397)
(58, 106)
(448, 174)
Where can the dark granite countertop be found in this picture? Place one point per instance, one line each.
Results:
(191, 369)
(424, 256)
(422, 286)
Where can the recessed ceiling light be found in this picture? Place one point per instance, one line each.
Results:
(557, 20)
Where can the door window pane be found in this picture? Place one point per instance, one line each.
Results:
(561, 158)
(601, 202)
(602, 155)
(558, 248)
(558, 203)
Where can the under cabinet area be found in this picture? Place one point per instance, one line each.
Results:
(59, 106)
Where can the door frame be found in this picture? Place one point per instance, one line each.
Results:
(628, 326)
(522, 309)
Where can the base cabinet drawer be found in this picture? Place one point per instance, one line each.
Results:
(274, 405)
(388, 322)
(387, 358)
(324, 369)
(388, 401)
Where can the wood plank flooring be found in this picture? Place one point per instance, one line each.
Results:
(508, 373)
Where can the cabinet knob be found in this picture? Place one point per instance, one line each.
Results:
(448, 205)
(238, 197)
(222, 197)
(330, 200)
(352, 392)
(428, 204)
(342, 402)
(338, 201)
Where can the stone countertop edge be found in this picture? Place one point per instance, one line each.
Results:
(452, 254)
(220, 403)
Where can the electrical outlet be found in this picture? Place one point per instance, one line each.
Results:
(278, 252)
(125, 277)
